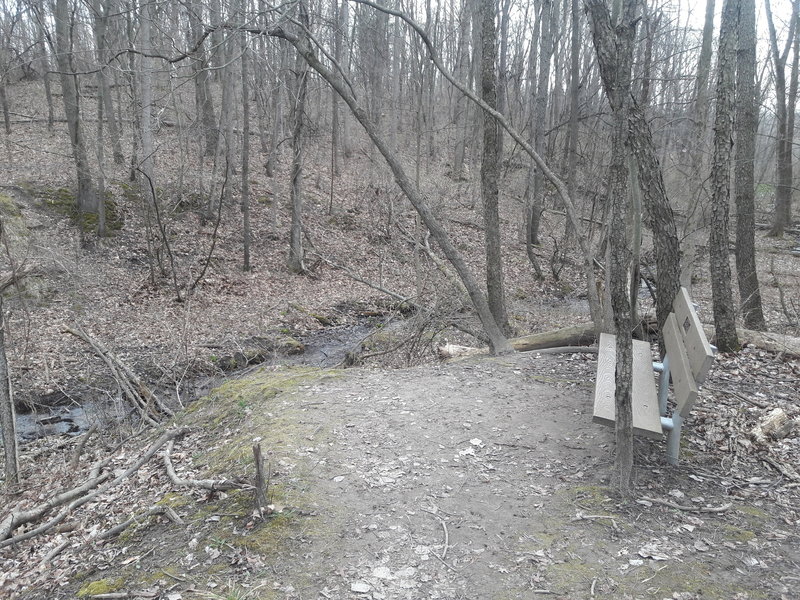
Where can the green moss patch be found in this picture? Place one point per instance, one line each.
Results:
(101, 586)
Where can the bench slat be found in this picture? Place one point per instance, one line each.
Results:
(698, 349)
(646, 420)
(684, 385)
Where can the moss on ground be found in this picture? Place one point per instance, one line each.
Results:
(101, 586)
(63, 201)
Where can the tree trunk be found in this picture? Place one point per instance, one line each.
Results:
(296, 257)
(204, 104)
(784, 112)
(87, 201)
(100, 27)
(658, 213)
(490, 167)
(724, 311)
(614, 47)
(246, 234)
(8, 425)
(697, 157)
(746, 124)
(535, 188)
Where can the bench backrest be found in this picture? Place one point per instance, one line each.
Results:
(690, 354)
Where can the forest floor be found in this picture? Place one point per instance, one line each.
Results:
(401, 478)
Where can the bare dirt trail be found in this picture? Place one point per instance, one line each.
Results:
(477, 479)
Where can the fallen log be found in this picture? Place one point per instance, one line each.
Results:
(771, 342)
(575, 338)
(577, 335)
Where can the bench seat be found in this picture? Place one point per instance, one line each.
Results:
(646, 417)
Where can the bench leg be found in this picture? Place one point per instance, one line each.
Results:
(674, 439)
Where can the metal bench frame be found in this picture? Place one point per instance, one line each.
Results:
(686, 364)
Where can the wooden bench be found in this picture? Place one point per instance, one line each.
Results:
(688, 358)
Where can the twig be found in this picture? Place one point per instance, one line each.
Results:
(208, 484)
(54, 552)
(785, 470)
(129, 382)
(581, 517)
(156, 510)
(350, 273)
(700, 509)
(76, 454)
(446, 534)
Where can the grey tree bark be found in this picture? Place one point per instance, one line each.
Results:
(746, 125)
(204, 103)
(87, 201)
(658, 212)
(100, 12)
(245, 192)
(724, 311)
(697, 156)
(614, 42)
(785, 104)
(490, 167)
(535, 186)
(7, 417)
(296, 252)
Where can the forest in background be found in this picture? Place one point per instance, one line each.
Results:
(207, 135)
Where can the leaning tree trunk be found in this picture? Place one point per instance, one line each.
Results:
(497, 341)
(724, 311)
(490, 167)
(746, 124)
(86, 201)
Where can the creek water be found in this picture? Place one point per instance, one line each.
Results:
(323, 349)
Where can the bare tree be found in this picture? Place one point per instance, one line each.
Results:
(724, 313)
(785, 104)
(87, 200)
(746, 124)
(497, 341)
(614, 43)
(7, 417)
(490, 167)
(300, 90)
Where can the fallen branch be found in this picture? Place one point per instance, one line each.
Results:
(352, 275)
(156, 510)
(771, 342)
(786, 470)
(700, 509)
(446, 534)
(76, 454)
(208, 484)
(14, 520)
(129, 382)
(582, 517)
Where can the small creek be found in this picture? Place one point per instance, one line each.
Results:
(323, 349)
